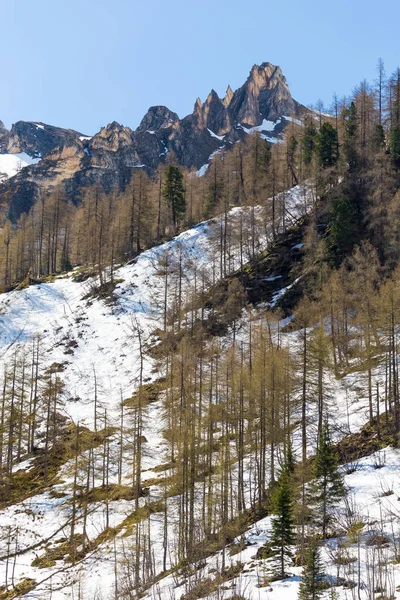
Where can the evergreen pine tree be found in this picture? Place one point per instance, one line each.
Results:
(264, 157)
(289, 465)
(290, 157)
(311, 585)
(329, 485)
(327, 146)
(378, 137)
(174, 192)
(309, 142)
(343, 232)
(394, 144)
(350, 136)
(282, 522)
(394, 138)
(215, 192)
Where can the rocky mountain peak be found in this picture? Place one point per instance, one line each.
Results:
(112, 137)
(78, 161)
(266, 76)
(114, 126)
(211, 115)
(156, 118)
(228, 96)
(265, 95)
(36, 138)
(197, 106)
(214, 115)
(265, 70)
(212, 96)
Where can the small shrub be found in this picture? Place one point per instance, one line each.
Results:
(23, 587)
(378, 539)
(379, 460)
(266, 552)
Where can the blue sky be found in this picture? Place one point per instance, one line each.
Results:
(85, 63)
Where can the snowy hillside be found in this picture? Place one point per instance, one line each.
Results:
(98, 347)
(102, 349)
(11, 164)
(373, 502)
(105, 336)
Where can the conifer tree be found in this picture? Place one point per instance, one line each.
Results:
(309, 142)
(350, 136)
(329, 486)
(311, 585)
(292, 144)
(343, 232)
(174, 192)
(394, 139)
(282, 522)
(215, 192)
(264, 157)
(395, 143)
(327, 145)
(290, 464)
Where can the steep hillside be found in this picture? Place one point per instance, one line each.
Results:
(75, 517)
(97, 350)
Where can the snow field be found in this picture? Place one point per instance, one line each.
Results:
(108, 350)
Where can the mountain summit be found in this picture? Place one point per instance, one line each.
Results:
(76, 161)
(265, 95)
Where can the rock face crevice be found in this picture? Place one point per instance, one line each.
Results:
(76, 161)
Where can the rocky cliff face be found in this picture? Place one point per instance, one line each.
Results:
(265, 95)
(76, 161)
(156, 118)
(36, 139)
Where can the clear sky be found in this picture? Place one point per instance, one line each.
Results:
(85, 63)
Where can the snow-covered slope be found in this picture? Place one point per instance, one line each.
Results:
(349, 564)
(97, 344)
(98, 347)
(105, 336)
(11, 164)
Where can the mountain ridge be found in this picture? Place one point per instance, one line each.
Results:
(75, 161)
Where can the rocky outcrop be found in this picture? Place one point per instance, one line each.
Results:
(228, 97)
(76, 161)
(156, 118)
(213, 114)
(265, 95)
(36, 139)
(221, 122)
